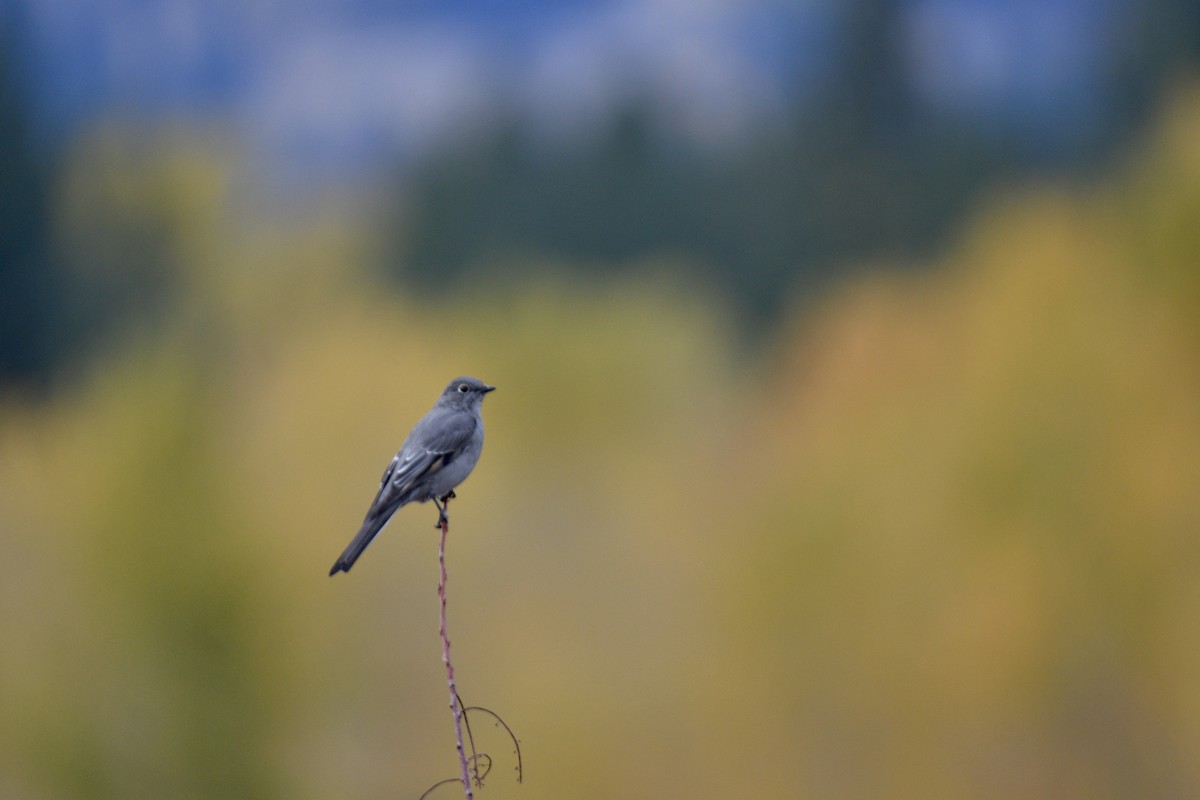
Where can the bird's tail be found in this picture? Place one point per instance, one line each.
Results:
(358, 544)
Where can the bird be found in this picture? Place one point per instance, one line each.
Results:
(437, 456)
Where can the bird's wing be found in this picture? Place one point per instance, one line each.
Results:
(436, 440)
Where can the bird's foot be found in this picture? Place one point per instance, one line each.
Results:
(442, 518)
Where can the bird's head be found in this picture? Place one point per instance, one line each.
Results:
(465, 392)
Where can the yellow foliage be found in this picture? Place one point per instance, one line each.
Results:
(942, 542)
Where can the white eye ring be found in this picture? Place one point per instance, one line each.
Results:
(462, 387)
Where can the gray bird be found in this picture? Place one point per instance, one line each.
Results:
(438, 455)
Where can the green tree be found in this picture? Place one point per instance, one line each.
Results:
(32, 286)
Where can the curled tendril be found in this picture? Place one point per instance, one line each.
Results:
(500, 723)
(481, 763)
(437, 785)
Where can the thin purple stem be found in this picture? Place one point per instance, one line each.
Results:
(455, 703)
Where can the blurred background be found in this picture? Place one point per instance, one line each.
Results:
(847, 440)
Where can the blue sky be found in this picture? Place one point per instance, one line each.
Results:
(347, 83)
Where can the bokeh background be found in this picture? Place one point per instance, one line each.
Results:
(848, 435)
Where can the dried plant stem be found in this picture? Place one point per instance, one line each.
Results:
(455, 704)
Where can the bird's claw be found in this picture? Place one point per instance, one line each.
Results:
(442, 519)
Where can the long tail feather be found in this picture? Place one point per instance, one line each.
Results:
(358, 544)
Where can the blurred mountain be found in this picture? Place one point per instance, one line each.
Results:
(343, 85)
(920, 110)
(760, 147)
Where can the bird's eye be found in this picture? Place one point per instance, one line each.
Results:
(462, 387)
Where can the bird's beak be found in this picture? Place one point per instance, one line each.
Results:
(487, 389)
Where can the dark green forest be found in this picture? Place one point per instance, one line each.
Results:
(858, 172)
